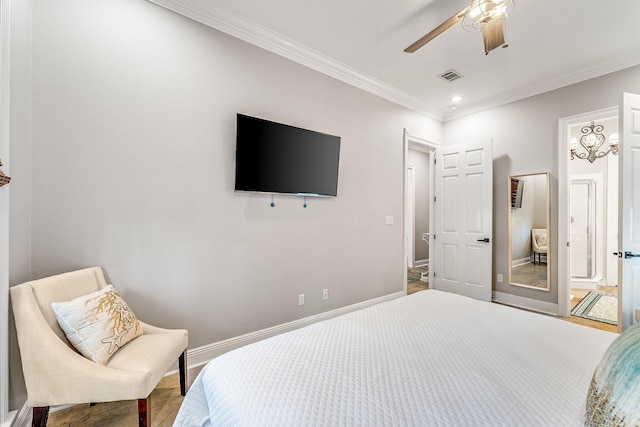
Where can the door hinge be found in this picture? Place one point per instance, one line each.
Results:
(434, 274)
(435, 160)
(434, 198)
(434, 237)
(568, 244)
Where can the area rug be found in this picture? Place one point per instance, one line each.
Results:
(599, 307)
(414, 274)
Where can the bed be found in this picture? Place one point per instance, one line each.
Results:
(427, 359)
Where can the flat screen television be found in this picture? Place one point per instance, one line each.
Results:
(277, 158)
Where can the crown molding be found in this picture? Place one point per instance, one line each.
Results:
(593, 70)
(267, 39)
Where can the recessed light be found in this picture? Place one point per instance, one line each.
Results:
(452, 108)
(456, 98)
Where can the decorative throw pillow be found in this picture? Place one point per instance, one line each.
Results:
(542, 239)
(614, 392)
(97, 324)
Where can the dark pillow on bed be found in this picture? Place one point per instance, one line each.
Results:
(614, 392)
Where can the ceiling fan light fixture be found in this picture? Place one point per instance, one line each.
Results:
(483, 13)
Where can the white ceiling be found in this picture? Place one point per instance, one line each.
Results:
(552, 43)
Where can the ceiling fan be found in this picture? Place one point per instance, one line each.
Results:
(485, 16)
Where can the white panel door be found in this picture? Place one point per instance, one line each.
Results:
(463, 219)
(630, 208)
(582, 243)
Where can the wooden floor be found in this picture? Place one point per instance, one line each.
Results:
(166, 399)
(165, 402)
(416, 286)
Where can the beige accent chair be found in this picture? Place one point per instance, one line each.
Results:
(539, 242)
(56, 374)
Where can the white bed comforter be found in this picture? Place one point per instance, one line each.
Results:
(428, 359)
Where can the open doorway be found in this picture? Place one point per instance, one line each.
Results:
(418, 170)
(418, 166)
(592, 193)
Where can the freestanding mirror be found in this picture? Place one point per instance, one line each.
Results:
(529, 231)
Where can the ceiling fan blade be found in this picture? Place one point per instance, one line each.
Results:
(493, 37)
(437, 31)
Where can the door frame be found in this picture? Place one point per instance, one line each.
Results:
(564, 192)
(420, 144)
(4, 208)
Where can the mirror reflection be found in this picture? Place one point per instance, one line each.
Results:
(529, 231)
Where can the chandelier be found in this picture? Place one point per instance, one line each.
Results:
(591, 140)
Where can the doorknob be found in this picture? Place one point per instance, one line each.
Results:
(628, 255)
(485, 240)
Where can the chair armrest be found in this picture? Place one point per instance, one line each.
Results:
(150, 329)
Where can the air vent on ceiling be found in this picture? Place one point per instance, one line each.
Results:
(450, 75)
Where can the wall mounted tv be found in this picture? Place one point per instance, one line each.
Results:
(277, 158)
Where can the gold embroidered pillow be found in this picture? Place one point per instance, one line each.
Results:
(97, 324)
(542, 239)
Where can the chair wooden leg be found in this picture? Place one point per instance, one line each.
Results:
(144, 412)
(40, 416)
(182, 365)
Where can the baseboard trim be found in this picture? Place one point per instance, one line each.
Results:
(201, 355)
(422, 263)
(521, 261)
(526, 303)
(22, 417)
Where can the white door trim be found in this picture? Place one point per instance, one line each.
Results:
(564, 184)
(420, 144)
(4, 208)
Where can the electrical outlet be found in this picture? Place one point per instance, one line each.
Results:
(301, 299)
(325, 294)
(500, 278)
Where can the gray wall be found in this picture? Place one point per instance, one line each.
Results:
(132, 168)
(525, 137)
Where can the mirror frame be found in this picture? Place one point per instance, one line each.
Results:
(510, 232)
